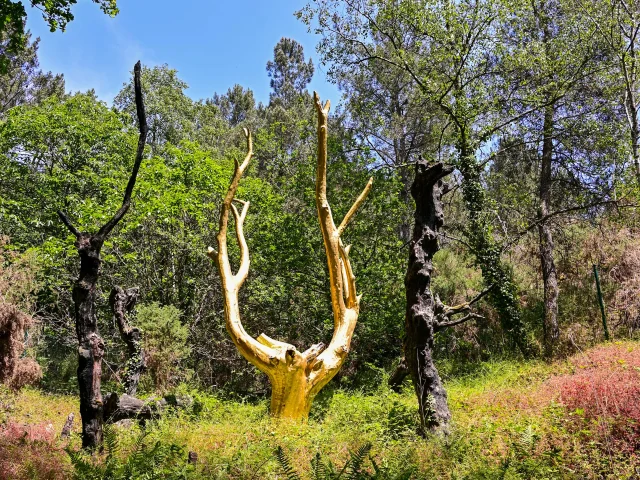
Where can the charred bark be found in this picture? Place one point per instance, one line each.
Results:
(549, 275)
(68, 425)
(90, 344)
(125, 407)
(122, 304)
(420, 319)
(425, 313)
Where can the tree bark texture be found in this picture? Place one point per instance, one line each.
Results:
(124, 407)
(420, 319)
(549, 274)
(90, 344)
(122, 304)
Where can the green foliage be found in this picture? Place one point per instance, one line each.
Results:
(57, 13)
(285, 465)
(352, 469)
(146, 460)
(164, 342)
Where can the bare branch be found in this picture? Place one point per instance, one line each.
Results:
(68, 224)
(483, 293)
(453, 323)
(543, 219)
(354, 208)
(243, 271)
(142, 140)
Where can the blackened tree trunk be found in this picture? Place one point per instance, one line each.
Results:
(90, 344)
(549, 275)
(420, 319)
(426, 314)
(122, 303)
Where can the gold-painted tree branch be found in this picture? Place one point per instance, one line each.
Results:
(295, 377)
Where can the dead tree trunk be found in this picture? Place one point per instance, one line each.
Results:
(122, 303)
(425, 313)
(296, 377)
(90, 344)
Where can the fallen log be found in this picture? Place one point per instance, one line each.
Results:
(123, 407)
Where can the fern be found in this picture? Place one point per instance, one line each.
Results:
(158, 461)
(351, 470)
(285, 465)
(318, 469)
(355, 462)
(526, 441)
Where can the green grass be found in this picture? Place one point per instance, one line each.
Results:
(508, 424)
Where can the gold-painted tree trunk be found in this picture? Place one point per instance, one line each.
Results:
(296, 377)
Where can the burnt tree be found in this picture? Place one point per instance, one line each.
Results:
(122, 304)
(426, 314)
(90, 344)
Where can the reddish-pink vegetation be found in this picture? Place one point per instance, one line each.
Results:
(605, 391)
(30, 451)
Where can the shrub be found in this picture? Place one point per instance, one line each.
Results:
(17, 284)
(30, 451)
(155, 460)
(164, 343)
(605, 391)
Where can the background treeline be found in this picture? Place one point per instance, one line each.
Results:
(534, 102)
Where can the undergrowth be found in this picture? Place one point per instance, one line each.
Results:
(530, 420)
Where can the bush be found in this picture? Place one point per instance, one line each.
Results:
(164, 343)
(17, 283)
(30, 451)
(15, 372)
(605, 391)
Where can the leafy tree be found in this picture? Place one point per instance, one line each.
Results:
(23, 82)
(452, 60)
(171, 113)
(389, 117)
(59, 155)
(557, 64)
(289, 72)
(237, 106)
(617, 24)
(165, 342)
(57, 13)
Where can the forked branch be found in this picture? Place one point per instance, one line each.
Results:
(445, 313)
(295, 377)
(345, 301)
(142, 139)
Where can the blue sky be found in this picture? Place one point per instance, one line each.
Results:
(213, 44)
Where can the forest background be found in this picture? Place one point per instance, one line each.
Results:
(535, 103)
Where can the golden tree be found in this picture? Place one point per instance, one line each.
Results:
(296, 377)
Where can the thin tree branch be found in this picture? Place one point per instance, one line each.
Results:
(354, 208)
(68, 223)
(443, 325)
(142, 139)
